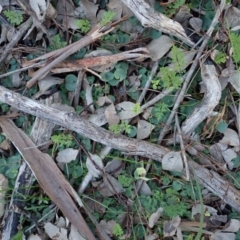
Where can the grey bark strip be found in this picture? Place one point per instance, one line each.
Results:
(150, 18)
(71, 121)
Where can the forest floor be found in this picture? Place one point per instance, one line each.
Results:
(119, 119)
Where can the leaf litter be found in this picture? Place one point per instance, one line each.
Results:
(134, 196)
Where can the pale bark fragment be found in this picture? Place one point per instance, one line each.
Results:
(71, 121)
(150, 18)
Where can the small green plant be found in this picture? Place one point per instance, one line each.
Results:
(14, 17)
(122, 127)
(220, 58)
(178, 58)
(137, 108)
(107, 17)
(117, 230)
(173, 7)
(124, 180)
(177, 209)
(155, 83)
(159, 110)
(169, 77)
(83, 25)
(235, 41)
(61, 140)
(57, 43)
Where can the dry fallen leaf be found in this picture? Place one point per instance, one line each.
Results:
(172, 161)
(154, 217)
(232, 226)
(159, 47)
(54, 232)
(111, 115)
(126, 110)
(230, 137)
(144, 129)
(110, 186)
(94, 165)
(67, 155)
(98, 118)
(170, 227)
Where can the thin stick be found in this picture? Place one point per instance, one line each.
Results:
(24, 27)
(182, 148)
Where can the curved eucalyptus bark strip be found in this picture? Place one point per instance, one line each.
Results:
(78, 124)
(150, 18)
(209, 101)
(207, 178)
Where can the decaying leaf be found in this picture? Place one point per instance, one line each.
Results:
(232, 226)
(126, 110)
(196, 23)
(111, 115)
(16, 79)
(172, 161)
(218, 235)
(108, 226)
(98, 118)
(144, 189)
(144, 129)
(94, 165)
(170, 227)
(235, 81)
(114, 167)
(154, 217)
(159, 47)
(110, 186)
(228, 155)
(230, 137)
(102, 100)
(67, 155)
(196, 209)
(88, 94)
(54, 232)
(74, 234)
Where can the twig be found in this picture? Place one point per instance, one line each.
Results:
(24, 27)
(21, 69)
(182, 148)
(191, 71)
(70, 50)
(148, 83)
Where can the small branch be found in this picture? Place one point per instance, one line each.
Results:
(148, 83)
(182, 148)
(71, 49)
(24, 27)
